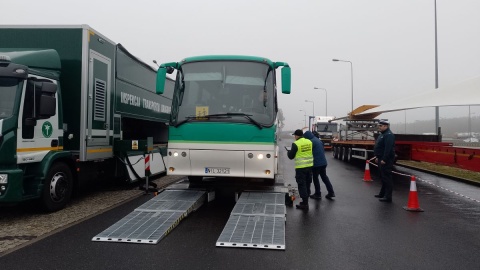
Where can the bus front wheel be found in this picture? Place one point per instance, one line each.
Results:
(195, 179)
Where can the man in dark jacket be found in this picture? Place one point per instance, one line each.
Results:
(319, 168)
(384, 151)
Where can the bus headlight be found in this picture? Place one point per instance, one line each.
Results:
(260, 156)
(3, 178)
(175, 154)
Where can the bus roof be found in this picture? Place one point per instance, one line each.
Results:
(227, 58)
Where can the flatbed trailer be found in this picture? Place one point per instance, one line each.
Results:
(443, 153)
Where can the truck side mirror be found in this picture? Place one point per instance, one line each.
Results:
(286, 80)
(47, 105)
(30, 122)
(48, 88)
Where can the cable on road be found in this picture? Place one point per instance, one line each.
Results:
(427, 182)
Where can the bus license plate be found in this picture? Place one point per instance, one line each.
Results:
(217, 170)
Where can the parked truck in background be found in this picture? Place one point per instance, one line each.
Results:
(74, 107)
(326, 129)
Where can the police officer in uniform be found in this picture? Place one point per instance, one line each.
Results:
(301, 151)
(384, 151)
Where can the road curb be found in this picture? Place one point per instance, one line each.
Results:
(464, 180)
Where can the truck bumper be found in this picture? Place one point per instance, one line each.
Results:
(12, 191)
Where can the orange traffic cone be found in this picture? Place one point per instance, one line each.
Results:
(366, 176)
(412, 204)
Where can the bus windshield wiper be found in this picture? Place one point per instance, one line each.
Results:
(246, 116)
(219, 115)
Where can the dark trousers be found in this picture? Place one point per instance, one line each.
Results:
(322, 172)
(387, 180)
(302, 176)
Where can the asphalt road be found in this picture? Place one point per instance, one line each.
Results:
(354, 231)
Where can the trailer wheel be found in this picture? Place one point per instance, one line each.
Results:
(195, 179)
(334, 152)
(348, 156)
(345, 154)
(58, 187)
(340, 153)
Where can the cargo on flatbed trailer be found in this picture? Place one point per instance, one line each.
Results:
(417, 147)
(74, 107)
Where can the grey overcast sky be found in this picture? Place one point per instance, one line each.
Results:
(389, 42)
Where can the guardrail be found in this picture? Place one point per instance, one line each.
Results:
(463, 157)
(467, 144)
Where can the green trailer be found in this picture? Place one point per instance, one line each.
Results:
(75, 107)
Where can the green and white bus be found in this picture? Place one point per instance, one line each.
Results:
(224, 116)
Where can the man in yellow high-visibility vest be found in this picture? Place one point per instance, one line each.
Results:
(301, 151)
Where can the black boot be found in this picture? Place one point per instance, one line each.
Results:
(302, 205)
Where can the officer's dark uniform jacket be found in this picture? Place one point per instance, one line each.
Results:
(384, 147)
(318, 149)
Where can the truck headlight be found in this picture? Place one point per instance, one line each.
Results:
(3, 178)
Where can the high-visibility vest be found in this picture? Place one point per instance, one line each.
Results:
(304, 156)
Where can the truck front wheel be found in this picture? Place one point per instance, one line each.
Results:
(58, 187)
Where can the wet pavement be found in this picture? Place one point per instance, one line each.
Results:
(353, 231)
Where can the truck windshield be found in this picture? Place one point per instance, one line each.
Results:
(8, 91)
(224, 87)
(327, 127)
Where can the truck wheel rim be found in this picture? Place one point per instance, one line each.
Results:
(58, 187)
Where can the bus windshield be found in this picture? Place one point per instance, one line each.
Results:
(235, 88)
(8, 91)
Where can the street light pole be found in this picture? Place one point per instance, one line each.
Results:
(313, 113)
(326, 98)
(351, 74)
(469, 126)
(313, 104)
(305, 119)
(437, 111)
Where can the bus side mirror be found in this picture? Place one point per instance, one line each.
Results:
(286, 80)
(161, 77)
(170, 70)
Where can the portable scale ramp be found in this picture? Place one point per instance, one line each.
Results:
(257, 221)
(153, 220)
